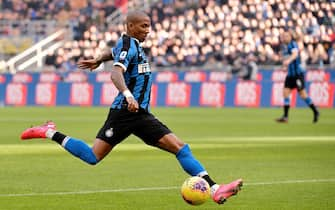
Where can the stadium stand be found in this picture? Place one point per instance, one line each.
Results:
(238, 41)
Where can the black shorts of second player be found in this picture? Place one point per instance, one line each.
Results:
(295, 82)
(121, 123)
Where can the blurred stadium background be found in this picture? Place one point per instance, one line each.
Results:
(217, 59)
(229, 49)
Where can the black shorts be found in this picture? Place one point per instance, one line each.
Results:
(121, 123)
(295, 82)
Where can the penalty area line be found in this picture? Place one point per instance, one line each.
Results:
(158, 188)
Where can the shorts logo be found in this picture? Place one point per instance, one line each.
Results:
(299, 83)
(109, 133)
(123, 55)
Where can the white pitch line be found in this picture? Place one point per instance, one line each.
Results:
(90, 191)
(159, 188)
(267, 138)
(67, 119)
(291, 182)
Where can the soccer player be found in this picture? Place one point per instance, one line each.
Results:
(295, 77)
(129, 113)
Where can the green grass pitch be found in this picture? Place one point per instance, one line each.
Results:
(284, 166)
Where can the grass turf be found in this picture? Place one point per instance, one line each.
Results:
(284, 166)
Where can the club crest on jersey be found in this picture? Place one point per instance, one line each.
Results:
(143, 68)
(123, 55)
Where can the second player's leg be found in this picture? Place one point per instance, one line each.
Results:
(286, 92)
(287, 101)
(303, 94)
(286, 107)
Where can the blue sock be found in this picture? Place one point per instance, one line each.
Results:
(308, 101)
(287, 101)
(80, 149)
(191, 165)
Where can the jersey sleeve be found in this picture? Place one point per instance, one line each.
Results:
(123, 53)
(294, 47)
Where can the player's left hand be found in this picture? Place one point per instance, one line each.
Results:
(90, 64)
(286, 63)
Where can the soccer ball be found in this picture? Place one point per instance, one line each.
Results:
(195, 190)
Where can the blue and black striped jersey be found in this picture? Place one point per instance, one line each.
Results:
(129, 55)
(294, 68)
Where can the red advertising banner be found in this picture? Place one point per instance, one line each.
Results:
(317, 75)
(104, 76)
(2, 79)
(108, 93)
(153, 96)
(49, 77)
(247, 93)
(279, 75)
(195, 76)
(277, 98)
(45, 94)
(16, 94)
(76, 77)
(81, 94)
(166, 76)
(218, 76)
(212, 94)
(22, 78)
(322, 93)
(178, 94)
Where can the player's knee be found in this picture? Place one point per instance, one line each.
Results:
(90, 158)
(92, 162)
(170, 143)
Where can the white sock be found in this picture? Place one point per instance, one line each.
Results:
(201, 174)
(213, 189)
(65, 141)
(50, 133)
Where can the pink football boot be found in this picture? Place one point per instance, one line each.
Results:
(227, 190)
(38, 131)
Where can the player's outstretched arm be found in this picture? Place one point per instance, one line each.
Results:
(92, 64)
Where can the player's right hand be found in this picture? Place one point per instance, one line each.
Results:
(132, 104)
(90, 64)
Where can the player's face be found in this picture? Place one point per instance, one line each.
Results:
(285, 37)
(141, 28)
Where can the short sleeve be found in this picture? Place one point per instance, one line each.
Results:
(123, 53)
